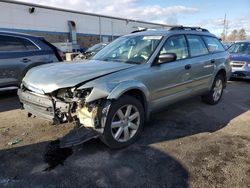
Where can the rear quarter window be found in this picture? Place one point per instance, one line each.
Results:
(213, 44)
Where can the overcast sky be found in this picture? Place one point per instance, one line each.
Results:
(205, 13)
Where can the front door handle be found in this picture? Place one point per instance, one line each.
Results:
(25, 60)
(188, 66)
(213, 61)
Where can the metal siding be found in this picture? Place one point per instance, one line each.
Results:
(17, 16)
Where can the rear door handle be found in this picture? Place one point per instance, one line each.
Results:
(188, 66)
(213, 61)
(25, 60)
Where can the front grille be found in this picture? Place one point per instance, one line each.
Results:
(239, 74)
(237, 64)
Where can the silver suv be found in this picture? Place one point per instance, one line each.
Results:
(114, 93)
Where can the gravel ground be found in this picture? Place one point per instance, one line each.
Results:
(190, 144)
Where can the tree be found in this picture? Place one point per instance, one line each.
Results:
(242, 34)
(233, 35)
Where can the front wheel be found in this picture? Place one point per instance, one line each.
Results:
(124, 122)
(215, 94)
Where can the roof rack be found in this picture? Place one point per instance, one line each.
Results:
(172, 28)
(188, 28)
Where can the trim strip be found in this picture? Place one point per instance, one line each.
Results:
(8, 88)
(53, 32)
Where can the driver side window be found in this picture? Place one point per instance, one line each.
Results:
(176, 44)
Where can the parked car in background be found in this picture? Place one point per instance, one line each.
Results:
(90, 52)
(20, 52)
(240, 59)
(227, 44)
(114, 93)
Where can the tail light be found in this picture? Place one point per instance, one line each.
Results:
(60, 55)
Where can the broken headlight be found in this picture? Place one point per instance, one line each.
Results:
(65, 94)
(83, 93)
(69, 95)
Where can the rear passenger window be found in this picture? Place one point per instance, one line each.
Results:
(15, 44)
(176, 44)
(213, 44)
(196, 46)
(29, 45)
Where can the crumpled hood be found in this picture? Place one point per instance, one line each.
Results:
(240, 57)
(50, 77)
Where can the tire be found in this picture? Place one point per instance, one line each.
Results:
(124, 122)
(215, 94)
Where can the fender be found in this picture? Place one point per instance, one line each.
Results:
(125, 86)
(117, 91)
(128, 85)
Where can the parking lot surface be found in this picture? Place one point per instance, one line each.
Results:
(190, 144)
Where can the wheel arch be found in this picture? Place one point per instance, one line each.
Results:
(224, 74)
(138, 90)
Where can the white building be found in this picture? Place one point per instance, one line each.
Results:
(61, 25)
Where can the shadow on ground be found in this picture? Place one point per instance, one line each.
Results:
(8, 101)
(92, 165)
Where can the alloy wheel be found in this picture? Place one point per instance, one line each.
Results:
(217, 90)
(125, 123)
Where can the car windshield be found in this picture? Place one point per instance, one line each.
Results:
(240, 48)
(129, 49)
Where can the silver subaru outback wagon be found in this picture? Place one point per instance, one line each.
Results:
(113, 94)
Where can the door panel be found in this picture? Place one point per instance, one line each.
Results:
(202, 66)
(16, 54)
(202, 70)
(9, 70)
(170, 83)
(12, 65)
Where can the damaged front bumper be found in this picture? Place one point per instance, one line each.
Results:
(89, 119)
(41, 105)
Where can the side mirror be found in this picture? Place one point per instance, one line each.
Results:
(167, 57)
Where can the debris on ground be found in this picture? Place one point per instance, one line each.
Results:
(5, 130)
(15, 141)
(24, 134)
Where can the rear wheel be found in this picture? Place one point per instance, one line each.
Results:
(124, 122)
(214, 95)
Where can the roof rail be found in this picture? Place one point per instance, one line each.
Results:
(188, 28)
(140, 30)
